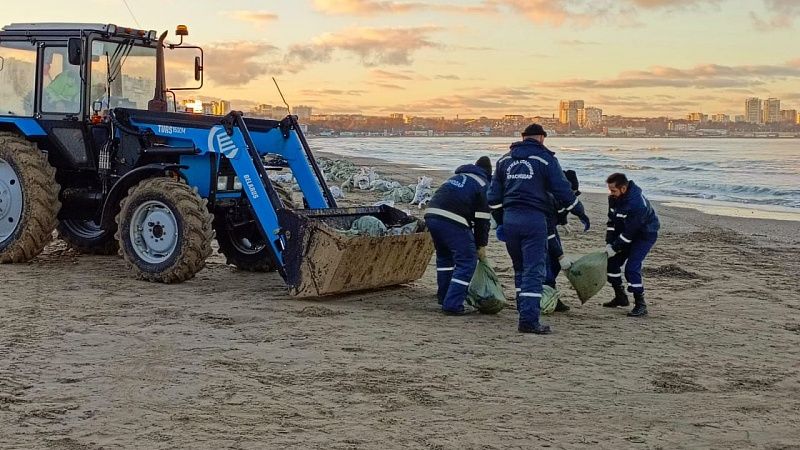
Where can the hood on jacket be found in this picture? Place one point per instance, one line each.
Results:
(633, 191)
(475, 170)
(528, 148)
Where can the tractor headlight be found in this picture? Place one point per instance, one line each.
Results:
(152, 35)
(222, 183)
(112, 29)
(237, 185)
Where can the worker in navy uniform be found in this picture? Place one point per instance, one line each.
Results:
(631, 232)
(458, 219)
(556, 260)
(520, 198)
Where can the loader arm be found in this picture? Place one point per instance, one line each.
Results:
(312, 253)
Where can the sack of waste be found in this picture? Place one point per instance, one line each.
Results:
(422, 191)
(485, 292)
(588, 275)
(409, 228)
(337, 192)
(366, 226)
(549, 299)
(383, 185)
(402, 194)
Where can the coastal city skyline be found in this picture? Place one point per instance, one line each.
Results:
(473, 58)
(569, 112)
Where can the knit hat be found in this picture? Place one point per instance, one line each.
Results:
(534, 129)
(486, 164)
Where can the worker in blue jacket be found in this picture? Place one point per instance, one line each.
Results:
(631, 232)
(458, 219)
(520, 198)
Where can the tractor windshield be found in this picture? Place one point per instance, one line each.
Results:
(17, 75)
(123, 75)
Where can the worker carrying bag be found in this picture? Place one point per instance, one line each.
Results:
(588, 275)
(485, 292)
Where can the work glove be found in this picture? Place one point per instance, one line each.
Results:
(482, 253)
(501, 234)
(585, 221)
(610, 251)
(580, 213)
(566, 229)
(566, 262)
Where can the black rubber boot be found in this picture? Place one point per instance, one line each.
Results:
(639, 307)
(535, 329)
(561, 307)
(620, 298)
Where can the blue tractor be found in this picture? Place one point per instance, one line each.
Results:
(91, 145)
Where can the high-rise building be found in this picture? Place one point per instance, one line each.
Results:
(302, 112)
(224, 107)
(568, 111)
(771, 110)
(720, 118)
(697, 117)
(789, 115)
(752, 110)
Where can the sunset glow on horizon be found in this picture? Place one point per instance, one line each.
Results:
(476, 58)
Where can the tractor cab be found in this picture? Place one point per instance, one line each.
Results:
(67, 76)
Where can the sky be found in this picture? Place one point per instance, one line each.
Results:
(473, 58)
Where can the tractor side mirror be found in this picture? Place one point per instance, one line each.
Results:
(75, 51)
(186, 67)
(198, 68)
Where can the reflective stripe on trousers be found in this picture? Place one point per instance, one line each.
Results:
(633, 259)
(455, 249)
(526, 242)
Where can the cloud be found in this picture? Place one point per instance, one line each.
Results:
(236, 63)
(386, 75)
(376, 7)
(701, 76)
(672, 4)
(782, 14)
(333, 92)
(364, 7)
(546, 12)
(386, 85)
(255, 17)
(373, 46)
(480, 101)
(576, 42)
(448, 77)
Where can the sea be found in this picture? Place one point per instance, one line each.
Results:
(763, 174)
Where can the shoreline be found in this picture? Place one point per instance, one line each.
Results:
(556, 136)
(750, 221)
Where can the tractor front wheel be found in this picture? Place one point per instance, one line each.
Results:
(242, 244)
(28, 199)
(164, 231)
(86, 236)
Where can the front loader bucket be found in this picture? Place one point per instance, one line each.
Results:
(321, 260)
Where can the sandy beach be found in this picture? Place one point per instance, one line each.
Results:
(91, 359)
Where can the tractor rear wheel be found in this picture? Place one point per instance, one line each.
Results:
(28, 199)
(86, 236)
(164, 230)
